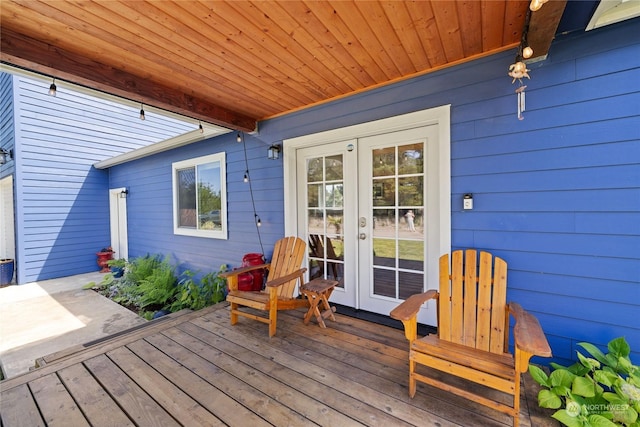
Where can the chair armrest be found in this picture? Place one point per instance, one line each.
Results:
(284, 279)
(232, 276)
(410, 307)
(241, 270)
(407, 312)
(527, 333)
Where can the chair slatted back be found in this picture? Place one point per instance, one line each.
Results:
(472, 302)
(288, 254)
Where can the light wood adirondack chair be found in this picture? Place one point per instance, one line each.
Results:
(473, 331)
(285, 272)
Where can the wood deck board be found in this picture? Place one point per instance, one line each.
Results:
(197, 369)
(97, 405)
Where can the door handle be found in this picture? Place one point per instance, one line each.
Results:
(362, 236)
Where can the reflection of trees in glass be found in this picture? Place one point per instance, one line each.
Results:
(313, 195)
(314, 169)
(410, 191)
(410, 159)
(187, 188)
(208, 199)
(207, 194)
(334, 195)
(383, 161)
(333, 167)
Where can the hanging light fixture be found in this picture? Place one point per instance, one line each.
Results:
(239, 137)
(142, 112)
(200, 127)
(274, 152)
(246, 176)
(53, 90)
(536, 4)
(258, 222)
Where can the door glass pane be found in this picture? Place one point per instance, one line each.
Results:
(410, 192)
(314, 195)
(398, 228)
(411, 254)
(384, 223)
(334, 168)
(410, 283)
(325, 200)
(314, 170)
(384, 192)
(384, 282)
(410, 160)
(384, 161)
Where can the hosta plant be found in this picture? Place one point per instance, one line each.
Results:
(599, 390)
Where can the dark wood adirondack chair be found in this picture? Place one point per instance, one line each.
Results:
(473, 331)
(316, 249)
(285, 272)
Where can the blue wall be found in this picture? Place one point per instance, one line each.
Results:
(6, 121)
(62, 201)
(557, 195)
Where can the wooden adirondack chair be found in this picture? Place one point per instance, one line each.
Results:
(285, 273)
(473, 331)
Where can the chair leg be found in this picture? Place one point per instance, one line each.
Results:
(273, 315)
(234, 315)
(412, 379)
(516, 401)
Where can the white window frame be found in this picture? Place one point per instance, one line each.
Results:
(194, 163)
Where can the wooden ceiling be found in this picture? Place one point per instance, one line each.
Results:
(233, 63)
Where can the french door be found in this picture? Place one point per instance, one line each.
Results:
(371, 211)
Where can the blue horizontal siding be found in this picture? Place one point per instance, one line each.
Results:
(7, 129)
(556, 195)
(63, 210)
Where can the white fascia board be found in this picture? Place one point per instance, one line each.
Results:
(166, 145)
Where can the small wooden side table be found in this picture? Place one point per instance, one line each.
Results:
(318, 291)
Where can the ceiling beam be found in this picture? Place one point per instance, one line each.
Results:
(25, 52)
(543, 26)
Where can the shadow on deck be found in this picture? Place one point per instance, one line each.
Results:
(194, 369)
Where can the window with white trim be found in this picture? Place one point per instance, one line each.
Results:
(200, 197)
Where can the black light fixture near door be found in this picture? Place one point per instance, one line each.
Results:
(5, 156)
(274, 152)
(124, 193)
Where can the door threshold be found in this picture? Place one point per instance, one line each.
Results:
(381, 319)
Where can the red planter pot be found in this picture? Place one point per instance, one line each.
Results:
(103, 258)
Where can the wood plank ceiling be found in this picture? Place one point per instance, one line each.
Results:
(233, 63)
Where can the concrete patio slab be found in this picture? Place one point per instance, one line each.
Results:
(40, 318)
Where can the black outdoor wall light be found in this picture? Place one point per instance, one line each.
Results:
(5, 156)
(274, 152)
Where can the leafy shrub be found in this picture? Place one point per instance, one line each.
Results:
(158, 289)
(598, 391)
(150, 284)
(142, 267)
(195, 296)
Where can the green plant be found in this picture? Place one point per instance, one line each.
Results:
(141, 267)
(195, 296)
(120, 262)
(598, 391)
(159, 288)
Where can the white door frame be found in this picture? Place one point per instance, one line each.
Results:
(118, 222)
(439, 116)
(7, 220)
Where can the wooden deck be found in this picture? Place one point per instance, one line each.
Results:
(195, 369)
